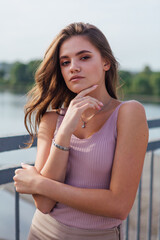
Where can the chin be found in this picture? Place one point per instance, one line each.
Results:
(78, 89)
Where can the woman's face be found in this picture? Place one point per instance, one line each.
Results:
(81, 63)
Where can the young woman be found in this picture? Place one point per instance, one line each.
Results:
(91, 146)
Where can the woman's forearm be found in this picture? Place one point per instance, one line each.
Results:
(114, 202)
(56, 164)
(55, 169)
(99, 202)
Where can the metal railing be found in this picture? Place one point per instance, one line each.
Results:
(6, 176)
(152, 146)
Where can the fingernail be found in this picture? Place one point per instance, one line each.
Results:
(101, 103)
(95, 85)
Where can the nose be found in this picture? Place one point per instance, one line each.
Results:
(74, 67)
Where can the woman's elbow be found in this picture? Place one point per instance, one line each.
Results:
(122, 212)
(122, 215)
(119, 211)
(44, 208)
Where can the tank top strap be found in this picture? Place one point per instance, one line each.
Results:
(114, 117)
(117, 109)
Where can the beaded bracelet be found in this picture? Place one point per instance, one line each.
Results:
(60, 147)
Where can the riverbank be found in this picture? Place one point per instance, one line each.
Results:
(144, 98)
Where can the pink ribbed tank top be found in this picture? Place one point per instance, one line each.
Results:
(89, 166)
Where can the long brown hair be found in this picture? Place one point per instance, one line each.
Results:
(50, 90)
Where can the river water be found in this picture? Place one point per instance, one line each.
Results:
(11, 123)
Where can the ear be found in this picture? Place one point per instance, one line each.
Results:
(106, 65)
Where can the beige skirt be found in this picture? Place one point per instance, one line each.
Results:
(45, 227)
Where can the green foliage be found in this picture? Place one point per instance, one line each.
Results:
(126, 80)
(21, 76)
(2, 72)
(155, 82)
(30, 70)
(18, 74)
(142, 83)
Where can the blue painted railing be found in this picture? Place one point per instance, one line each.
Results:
(6, 176)
(152, 146)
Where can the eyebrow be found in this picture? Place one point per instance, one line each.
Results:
(78, 53)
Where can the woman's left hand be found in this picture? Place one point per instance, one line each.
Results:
(25, 179)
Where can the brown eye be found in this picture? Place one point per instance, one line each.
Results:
(85, 57)
(65, 63)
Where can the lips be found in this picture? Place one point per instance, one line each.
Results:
(76, 77)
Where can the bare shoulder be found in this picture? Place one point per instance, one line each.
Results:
(50, 117)
(131, 111)
(132, 119)
(48, 123)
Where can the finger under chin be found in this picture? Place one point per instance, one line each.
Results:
(86, 91)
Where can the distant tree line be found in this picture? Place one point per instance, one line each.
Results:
(146, 82)
(19, 77)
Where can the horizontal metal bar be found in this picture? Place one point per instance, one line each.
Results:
(154, 123)
(14, 143)
(154, 145)
(6, 175)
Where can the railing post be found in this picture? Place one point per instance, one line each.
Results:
(151, 197)
(17, 215)
(159, 226)
(139, 209)
(127, 228)
(158, 238)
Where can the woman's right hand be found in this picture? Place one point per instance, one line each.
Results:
(76, 107)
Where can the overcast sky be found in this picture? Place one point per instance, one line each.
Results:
(132, 28)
